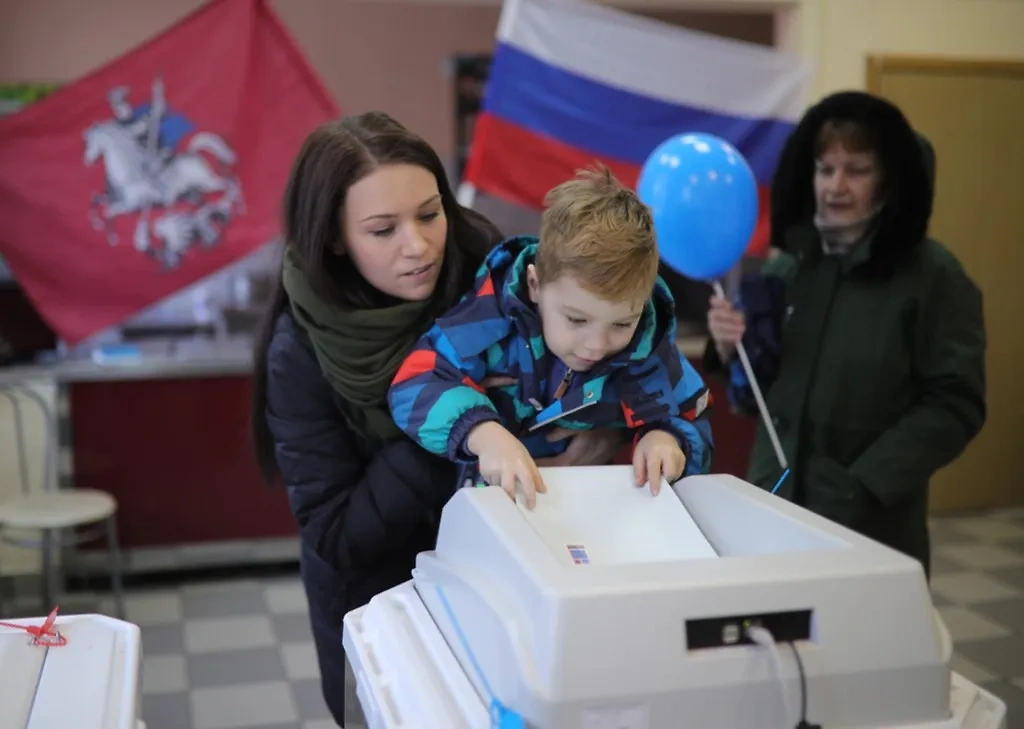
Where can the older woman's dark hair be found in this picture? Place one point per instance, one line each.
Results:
(860, 122)
(334, 157)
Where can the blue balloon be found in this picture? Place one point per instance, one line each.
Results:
(703, 196)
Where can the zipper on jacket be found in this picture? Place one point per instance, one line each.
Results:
(588, 401)
(560, 391)
(563, 386)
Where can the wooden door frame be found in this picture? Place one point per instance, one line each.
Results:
(877, 65)
(880, 68)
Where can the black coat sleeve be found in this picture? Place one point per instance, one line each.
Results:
(352, 509)
(949, 367)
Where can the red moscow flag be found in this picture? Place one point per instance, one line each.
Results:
(156, 170)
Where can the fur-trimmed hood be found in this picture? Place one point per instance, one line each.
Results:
(908, 162)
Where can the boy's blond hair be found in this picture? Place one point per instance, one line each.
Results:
(596, 230)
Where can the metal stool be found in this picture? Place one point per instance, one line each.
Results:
(57, 514)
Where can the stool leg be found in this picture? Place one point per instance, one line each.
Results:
(47, 572)
(115, 566)
(3, 584)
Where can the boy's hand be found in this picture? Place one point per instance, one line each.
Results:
(657, 455)
(504, 460)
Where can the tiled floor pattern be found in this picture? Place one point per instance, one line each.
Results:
(238, 654)
(978, 588)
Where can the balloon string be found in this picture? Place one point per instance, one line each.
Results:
(44, 634)
(755, 387)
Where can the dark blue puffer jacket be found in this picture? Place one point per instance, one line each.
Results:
(363, 516)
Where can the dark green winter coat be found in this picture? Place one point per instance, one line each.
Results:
(876, 377)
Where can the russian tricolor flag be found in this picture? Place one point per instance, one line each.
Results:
(574, 82)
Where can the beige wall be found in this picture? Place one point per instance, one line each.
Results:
(840, 34)
(380, 55)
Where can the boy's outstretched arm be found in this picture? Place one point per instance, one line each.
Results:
(666, 393)
(436, 397)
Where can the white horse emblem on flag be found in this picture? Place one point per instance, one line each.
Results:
(178, 182)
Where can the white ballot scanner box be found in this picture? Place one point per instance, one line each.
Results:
(714, 605)
(91, 681)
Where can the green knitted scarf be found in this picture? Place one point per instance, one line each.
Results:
(359, 350)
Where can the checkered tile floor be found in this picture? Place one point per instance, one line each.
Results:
(978, 588)
(224, 654)
(238, 654)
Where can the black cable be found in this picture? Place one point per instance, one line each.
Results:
(804, 724)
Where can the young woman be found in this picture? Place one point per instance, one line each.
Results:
(376, 248)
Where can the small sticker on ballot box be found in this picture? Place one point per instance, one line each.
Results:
(578, 553)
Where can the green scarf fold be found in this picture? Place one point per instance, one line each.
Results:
(359, 350)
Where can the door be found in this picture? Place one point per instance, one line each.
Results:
(973, 113)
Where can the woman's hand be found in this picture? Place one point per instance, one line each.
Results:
(587, 448)
(504, 461)
(726, 326)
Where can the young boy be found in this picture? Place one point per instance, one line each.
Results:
(586, 329)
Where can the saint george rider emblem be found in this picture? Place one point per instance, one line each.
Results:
(175, 182)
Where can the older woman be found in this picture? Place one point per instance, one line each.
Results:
(867, 335)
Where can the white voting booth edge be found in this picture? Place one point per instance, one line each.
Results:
(91, 682)
(607, 608)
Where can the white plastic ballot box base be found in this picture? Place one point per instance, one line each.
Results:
(407, 678)
(92, 682)
(529, 606)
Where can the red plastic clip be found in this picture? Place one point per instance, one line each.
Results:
(45, 634)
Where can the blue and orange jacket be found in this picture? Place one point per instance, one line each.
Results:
(495, 331)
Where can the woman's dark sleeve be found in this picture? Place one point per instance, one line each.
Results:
(762, 300)
(352, 511)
